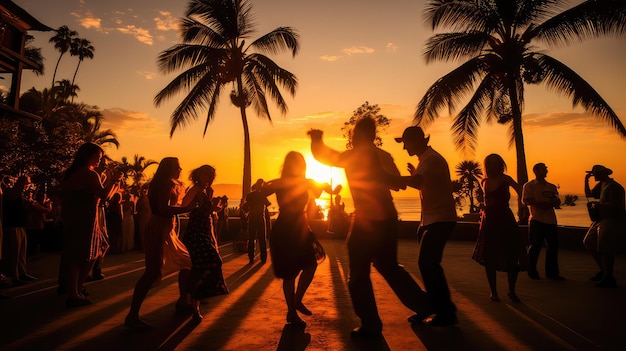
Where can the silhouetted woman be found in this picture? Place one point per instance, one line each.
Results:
(291, 240)
(163, 250)
(83, 239)
(206, 269)
(500, 246)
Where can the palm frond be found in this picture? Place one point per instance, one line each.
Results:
(453, 46)
(457, 15)
(180, 56)
(589, 19)
(195, 32)
(183, 82)
(274, 42)
(448, 90)
(564, 80)
(203, 93)
(466, 123)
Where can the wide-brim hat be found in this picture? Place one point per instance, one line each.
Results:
(600, 169)
(412, 133)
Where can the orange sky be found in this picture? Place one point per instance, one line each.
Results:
(351, 52)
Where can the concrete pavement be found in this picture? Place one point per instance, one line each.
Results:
(554, 315)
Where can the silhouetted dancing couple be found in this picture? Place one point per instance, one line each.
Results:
(371, 173)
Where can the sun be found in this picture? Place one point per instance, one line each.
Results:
(324, 174)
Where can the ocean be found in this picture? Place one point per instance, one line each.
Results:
(409, 209)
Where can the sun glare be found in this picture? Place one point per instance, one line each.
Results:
(324, 174)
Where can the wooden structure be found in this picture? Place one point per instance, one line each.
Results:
(14, 24)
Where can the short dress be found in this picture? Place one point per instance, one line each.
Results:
(500, 244)
(291, 239)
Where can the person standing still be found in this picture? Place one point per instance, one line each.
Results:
(542, 197)
(257, 204)
(432, 179)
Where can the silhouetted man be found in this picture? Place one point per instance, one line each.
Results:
(542, 197)
(374, 237)
(432, 178)
(257, 204)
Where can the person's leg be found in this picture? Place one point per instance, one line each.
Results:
(432, 243)
(535, 240)
(290, 299)
(400, 281)
(359, 282)
(306, 277)
(590, 241)
(512, 279)
(152, 274)
(11, 254)
(490, 272)
(22, 252)
(552, 250)
(262, 239)
(252, 234)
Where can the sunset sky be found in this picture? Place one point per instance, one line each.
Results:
(352, 51)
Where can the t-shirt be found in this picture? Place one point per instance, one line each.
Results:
(436, 188)
(540, 191)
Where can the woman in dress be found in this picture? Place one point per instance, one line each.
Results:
(291, 240)
(206, 264)
(500, 245)
(164, 252)
(83, 239)
(128, 222)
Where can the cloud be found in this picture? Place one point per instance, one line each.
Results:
(147, 74)
(166, 22)
(356, 50)
(579, 122)
(391, 47)
(141, 34)
(88, 20)
(330, 58)
(126, 121)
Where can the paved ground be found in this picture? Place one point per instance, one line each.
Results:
(567, 315)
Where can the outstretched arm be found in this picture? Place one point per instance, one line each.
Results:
(321, 152)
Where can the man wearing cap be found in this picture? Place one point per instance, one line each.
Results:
(373, 237)
(604, 235)
(542, 197)
(432, 178)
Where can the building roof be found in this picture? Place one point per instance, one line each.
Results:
(24, 16)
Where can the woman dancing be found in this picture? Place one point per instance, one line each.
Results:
(291, 240)
(164, 252)
(206, 264)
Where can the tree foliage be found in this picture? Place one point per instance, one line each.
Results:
(366, 110)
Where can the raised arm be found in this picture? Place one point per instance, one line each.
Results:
(321, 152)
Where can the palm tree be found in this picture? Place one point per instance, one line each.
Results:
(83, 49)
(34, 54)
(498, 38)
(65, 90)
(139, 166)
(470, 173)
(62, 41)
(214, 55)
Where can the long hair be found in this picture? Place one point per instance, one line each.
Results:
(294, 165)
(83, 154)
(195, 175)
(163, 176)
(494, 165)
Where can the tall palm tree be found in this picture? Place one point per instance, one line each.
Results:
(470, 174)
(83, 49)
(66, 90)
(214, 55)
(498, 38)
(62, 41)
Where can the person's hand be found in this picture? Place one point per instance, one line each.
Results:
(337, 189)
(315, 134)
(588, 175)
(410, 168)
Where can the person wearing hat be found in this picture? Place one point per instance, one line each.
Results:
(374, 234)
(432, 178)
(542, 197)
(602, 238)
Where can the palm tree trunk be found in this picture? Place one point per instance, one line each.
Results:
(55, 70)
(74, 77)
(247, 163)
(522, 171)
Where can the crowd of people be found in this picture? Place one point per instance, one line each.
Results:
(99, 217)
